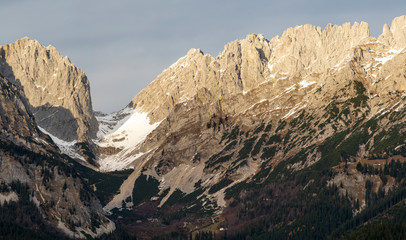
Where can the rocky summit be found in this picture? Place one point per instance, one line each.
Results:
(301, 136)
(57, 91)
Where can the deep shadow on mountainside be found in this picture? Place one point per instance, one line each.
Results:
(297, 137)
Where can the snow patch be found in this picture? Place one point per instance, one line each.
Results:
(305, 84)
(253, 105)
(400, 107)
(391, 54)
(270, 66)
(39, 86)
(124, 130)
(180, 59)
(130, 131)
(340, 65)
(295, 109)
(67, 148)
(119, 161)
(184, 99)
(109, 123)
(289, 89)
(185, 64)
(383, 60)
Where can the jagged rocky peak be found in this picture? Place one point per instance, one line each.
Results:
(173, 85)
(394, 36)
(307, 48)
(237, 69)
(58, 92)
(245, 64)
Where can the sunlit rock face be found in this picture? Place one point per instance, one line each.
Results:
(308, 74)
(57, 91)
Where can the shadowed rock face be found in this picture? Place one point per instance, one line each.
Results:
(16, 121)
(26, 153)
(66, 124)
(57, 91)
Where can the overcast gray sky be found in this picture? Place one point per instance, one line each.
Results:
(123, 45)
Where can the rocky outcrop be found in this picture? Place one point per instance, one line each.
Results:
(395, 36)
(58, 92)
(16, 122)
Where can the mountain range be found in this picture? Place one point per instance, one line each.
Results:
(301, 136)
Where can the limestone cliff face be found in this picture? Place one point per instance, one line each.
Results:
(395, 35)
(245, 64)
(57, 91)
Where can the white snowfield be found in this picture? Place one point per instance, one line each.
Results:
(125, 129)
(390, 54)
(305, 83)
(67, 148)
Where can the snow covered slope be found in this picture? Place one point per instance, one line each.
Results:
(68, 148)
(123, 130)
